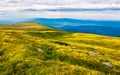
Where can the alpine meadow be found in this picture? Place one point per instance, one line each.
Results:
(59, 37)
(30, 48)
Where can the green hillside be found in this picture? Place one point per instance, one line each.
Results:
(34, 49)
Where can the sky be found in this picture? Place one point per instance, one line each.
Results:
(78, 9)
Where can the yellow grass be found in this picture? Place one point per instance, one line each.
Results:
(34, 49)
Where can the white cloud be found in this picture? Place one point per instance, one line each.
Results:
(14, 9)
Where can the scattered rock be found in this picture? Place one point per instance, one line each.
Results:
(40, 50)
(73, 47)
(92, 53)
(108, 64)
(42, 39)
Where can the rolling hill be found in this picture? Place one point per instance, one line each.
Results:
(30, 48)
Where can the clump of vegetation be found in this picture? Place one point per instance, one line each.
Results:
(106, 60)
(61, 43)
(2, 50)
(49, 51)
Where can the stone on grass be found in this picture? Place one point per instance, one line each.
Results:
(40, 50)
(73, 47)
(92, 53)
(42, 39)
(107, 64)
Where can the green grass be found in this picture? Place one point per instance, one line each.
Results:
(34, 49)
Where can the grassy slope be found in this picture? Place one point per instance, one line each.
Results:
(33, 49)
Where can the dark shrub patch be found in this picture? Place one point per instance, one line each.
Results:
(61, 43)
(2, 50)
(48, 51)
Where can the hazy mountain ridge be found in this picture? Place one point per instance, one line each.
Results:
(103, 30)
(110, 28)
(75, 22)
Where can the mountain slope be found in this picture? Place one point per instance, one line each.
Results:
(25, 25)
(41, 50)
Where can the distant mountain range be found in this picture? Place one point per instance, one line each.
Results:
(110, 28)
(103, 30)
(75, 22)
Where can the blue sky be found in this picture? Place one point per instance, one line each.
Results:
(78, 9)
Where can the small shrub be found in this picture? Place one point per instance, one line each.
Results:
(61, 43)
(106, 60)
(2, 50)
(76, 71)
(48, 51)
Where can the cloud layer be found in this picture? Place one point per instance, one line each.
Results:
(80, 9)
